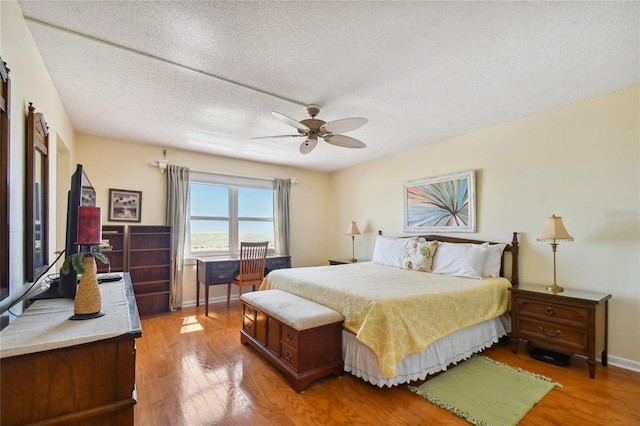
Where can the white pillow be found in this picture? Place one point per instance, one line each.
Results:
(460, 260)
(389, 251)
(493, 261)
(418, 255)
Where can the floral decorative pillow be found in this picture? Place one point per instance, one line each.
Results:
(419, 254)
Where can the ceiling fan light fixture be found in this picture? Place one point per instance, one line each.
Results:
(313, 128)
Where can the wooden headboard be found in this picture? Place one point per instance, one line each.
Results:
(511, 248)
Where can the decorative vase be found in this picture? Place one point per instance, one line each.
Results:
(88, 300)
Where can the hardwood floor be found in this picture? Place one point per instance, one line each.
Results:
(193, 370)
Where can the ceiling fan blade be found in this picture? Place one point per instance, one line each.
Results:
(344, 141)
(290, 121)
(344, 125)
(277, 137)
(308, 145)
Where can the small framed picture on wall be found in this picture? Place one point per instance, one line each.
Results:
(125, 205)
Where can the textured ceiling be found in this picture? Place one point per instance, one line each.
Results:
(204, 76)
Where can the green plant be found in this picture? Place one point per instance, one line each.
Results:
(76, 260)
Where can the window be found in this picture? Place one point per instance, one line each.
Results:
(226, 210)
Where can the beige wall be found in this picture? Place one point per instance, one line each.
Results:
(580, 162)
(111, 163)
(30, 82)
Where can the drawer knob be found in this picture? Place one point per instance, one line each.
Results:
(549, 310)
(288, 355)
(556, 334)
(248, 326)
(289, 335)
(220, 277)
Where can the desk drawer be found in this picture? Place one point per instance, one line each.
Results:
(278, 263)
(568, 315)
(220, 276)
(553, 335)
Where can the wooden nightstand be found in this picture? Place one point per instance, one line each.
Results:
(571, 322)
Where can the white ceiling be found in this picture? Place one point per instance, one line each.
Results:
(159, 72)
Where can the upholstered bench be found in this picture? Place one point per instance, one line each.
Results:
(301, 338)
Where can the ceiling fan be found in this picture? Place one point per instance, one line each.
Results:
(312, 128)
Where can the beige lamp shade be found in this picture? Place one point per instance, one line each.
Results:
(353, 229)
(554, 230)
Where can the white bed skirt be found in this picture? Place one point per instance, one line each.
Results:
(360, 361)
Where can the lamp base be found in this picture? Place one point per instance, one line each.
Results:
(555, 288)
(354, 260)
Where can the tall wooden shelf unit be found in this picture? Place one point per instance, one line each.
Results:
(115, 235)
(149, 261)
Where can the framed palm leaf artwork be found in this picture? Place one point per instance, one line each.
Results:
(441, 204)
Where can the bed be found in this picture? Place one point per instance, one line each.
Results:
(420, 305)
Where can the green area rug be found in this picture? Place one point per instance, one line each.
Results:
(486, 392)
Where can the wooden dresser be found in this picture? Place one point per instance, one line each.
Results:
(570, 322)
(58, 371)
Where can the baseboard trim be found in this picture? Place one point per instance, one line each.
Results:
(627, 364)
(212, 300)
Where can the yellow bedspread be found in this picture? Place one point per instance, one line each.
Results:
(395, 312)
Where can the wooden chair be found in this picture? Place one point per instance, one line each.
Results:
(253, 257)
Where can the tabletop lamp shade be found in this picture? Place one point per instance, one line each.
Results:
(353, 229)
(89, 225)
(554, 230)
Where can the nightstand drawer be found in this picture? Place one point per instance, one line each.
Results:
(555, 336)
(568, 315)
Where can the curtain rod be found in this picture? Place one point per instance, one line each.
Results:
(162, 164)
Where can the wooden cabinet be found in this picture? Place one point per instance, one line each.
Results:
(57, 371)
(149, 249)
(571, 322)
(302, 355)
(115, 235)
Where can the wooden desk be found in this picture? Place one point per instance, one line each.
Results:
(221, 270)
(58, 371)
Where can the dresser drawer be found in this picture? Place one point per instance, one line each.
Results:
(289, 355)
(249, 311)
(555, 336)
(249, 326)
(290, 336)
(552, 312)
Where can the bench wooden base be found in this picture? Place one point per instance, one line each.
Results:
(302, 355)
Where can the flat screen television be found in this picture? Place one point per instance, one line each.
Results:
(65, 286)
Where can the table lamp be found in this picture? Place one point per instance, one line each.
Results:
(554, 231)
(353, 231)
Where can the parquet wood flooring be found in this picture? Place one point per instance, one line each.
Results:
(192, 370)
